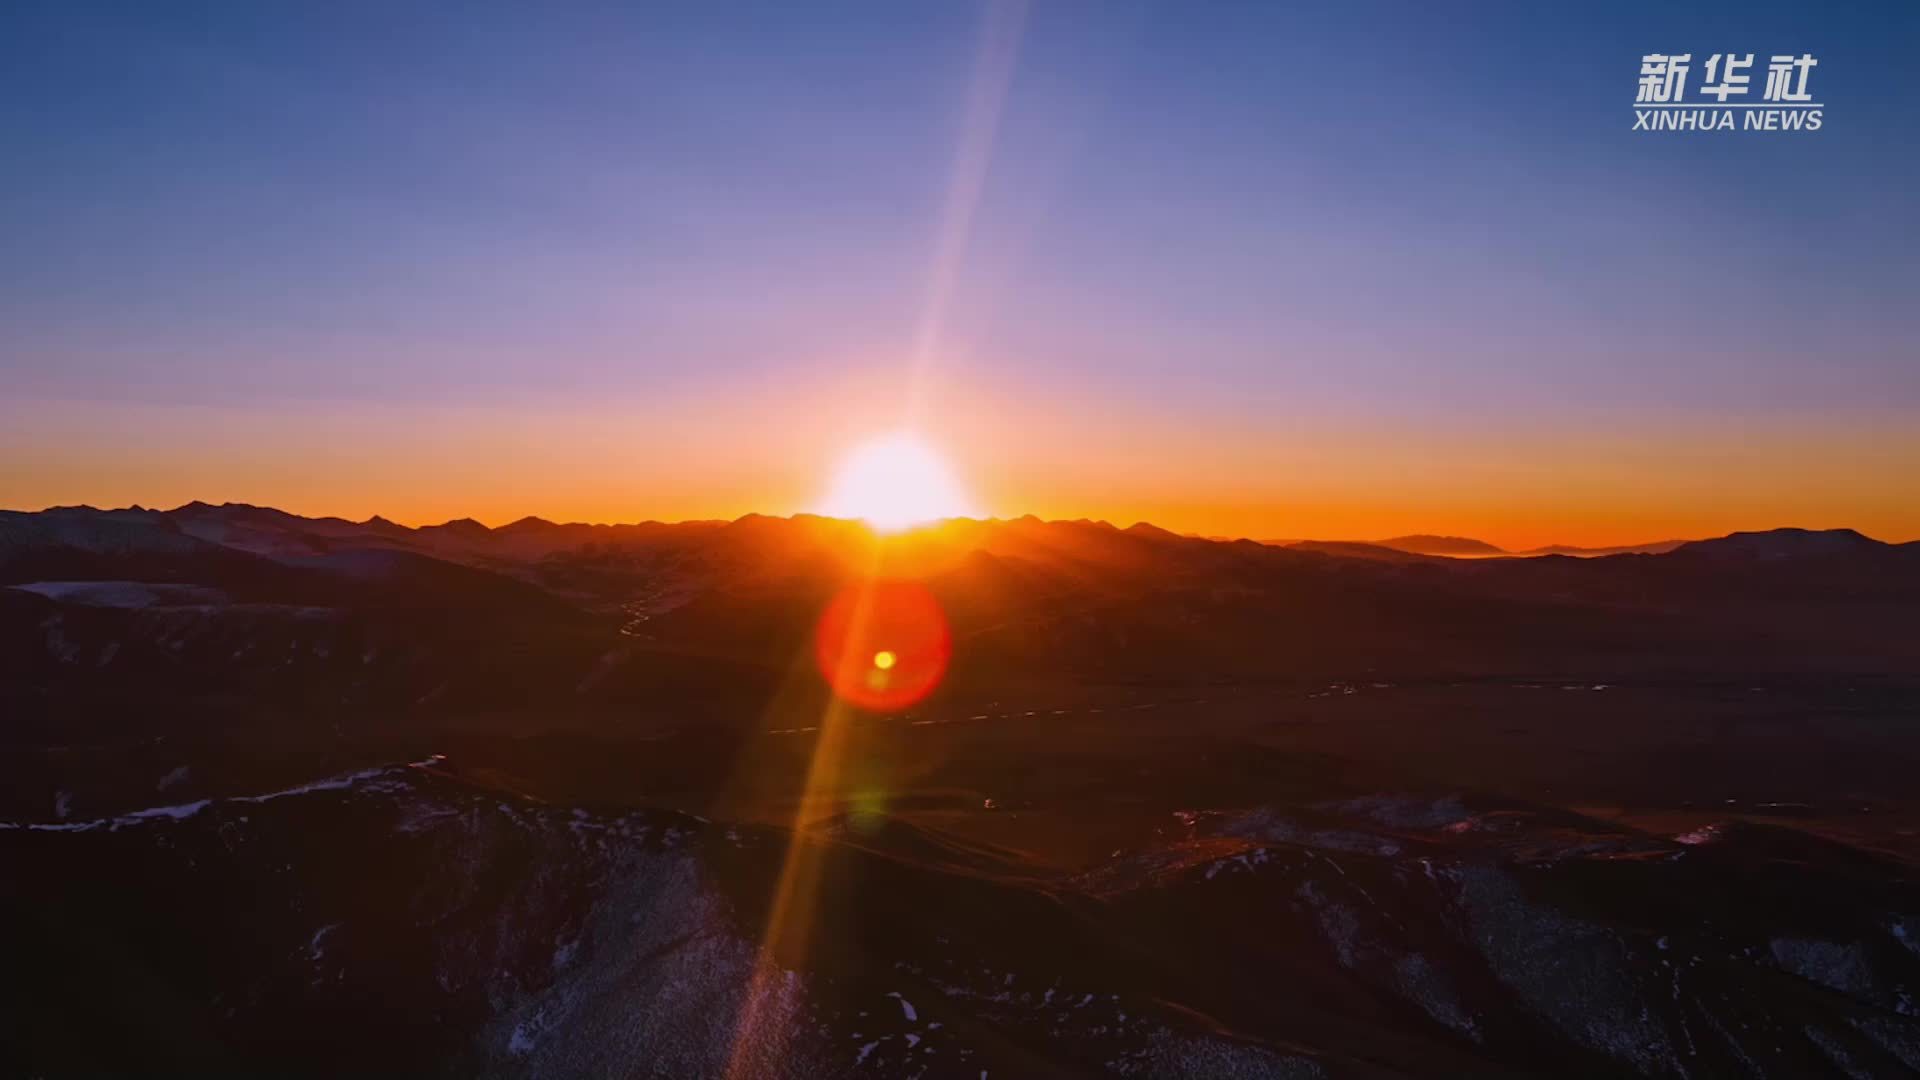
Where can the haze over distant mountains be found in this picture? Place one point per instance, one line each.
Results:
(1465, 547)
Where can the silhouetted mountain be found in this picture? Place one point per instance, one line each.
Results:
(1784, 544)
(1423, 544)
(1089, 598)
(529, 524)
(1461, 547)
(465, 528)
(1353, 549)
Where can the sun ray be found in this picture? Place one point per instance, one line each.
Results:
(790, 916)
(914, 488)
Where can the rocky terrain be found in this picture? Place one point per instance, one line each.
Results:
(408, 918)
(300, 796)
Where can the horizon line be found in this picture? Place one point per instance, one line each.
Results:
(1269, 541)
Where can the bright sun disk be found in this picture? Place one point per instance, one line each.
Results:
(894, 483)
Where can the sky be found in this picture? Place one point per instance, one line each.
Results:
(1269, 270)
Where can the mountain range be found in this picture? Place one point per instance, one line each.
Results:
(284, 794)
(1465, 547)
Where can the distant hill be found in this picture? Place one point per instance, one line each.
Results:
(1463, 547)
(1354, 549)
(1784, 544)
(1658, 547)
(1456, 546)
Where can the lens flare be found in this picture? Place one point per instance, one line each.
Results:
(883, 645)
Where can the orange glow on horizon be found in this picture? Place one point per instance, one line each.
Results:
(1607, 481)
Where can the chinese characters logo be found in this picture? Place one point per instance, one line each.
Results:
(1721, 101)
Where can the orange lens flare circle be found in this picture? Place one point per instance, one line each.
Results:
(883, 645)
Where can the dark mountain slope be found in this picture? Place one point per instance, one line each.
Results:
(457, 930)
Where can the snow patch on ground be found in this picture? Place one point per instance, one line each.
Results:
(1895, 1036)
(1838, 967)
(1246, 860)
(1174, 1056)
(1338, 924)
(317, 946)
(657, 938)
(1577, 976)
(1269, 825)
(123, 594)
(1422, 984)
(1905, 935)
(1404, 811)
(173, 813)
(182, 811)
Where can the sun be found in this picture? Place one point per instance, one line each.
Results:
(895, 482)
